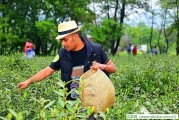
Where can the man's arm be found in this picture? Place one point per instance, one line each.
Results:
(44, 73)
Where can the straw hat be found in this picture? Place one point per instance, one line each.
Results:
(67, 28)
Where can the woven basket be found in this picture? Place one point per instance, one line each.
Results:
(97, 90)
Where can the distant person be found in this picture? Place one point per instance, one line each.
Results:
(129, 49)
(29, 54)
(134, 50)
(29, 50)
(28, 45)
(154, 50)
(164, 50)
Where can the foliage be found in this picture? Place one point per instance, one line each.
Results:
(172, 11)
(146, 81)
(140, 35)
(26, 20)
(142, 81)
(43, 100)
(10, 43)
(106, 32)
(47, 33)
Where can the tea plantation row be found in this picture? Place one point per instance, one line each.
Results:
(145, 81)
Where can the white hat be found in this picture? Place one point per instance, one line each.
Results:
(67, 28)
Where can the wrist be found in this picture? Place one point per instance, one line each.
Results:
(29, 81)
(102, 67)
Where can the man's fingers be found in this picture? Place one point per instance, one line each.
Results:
(94, 62)
(19, 85)
(20, 89)
(94, 68)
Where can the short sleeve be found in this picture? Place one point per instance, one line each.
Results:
(104, 57)
(55, 64)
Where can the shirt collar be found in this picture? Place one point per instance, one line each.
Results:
(88, 48)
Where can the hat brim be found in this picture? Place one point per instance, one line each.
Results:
(62, 36)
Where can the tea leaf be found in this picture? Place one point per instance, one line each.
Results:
(60, 93)
(13, 112)
(49, 104)
(19, 116)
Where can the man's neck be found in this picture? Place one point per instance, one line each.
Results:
(79, 44)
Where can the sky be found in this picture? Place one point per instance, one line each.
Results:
(140, 15)
(134, 18)
(143, 16)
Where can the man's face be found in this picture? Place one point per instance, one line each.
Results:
(68, 42)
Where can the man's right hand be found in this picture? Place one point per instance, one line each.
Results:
(22, 85)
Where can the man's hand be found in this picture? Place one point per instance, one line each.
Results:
(22, 85)
(97, 66)
(109, 67)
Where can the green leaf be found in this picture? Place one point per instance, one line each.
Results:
(69, 108)
(81, 116)
(13, 112)
(88, 111)
(19, 116)
(61, 102)
(63, 114)
(49, 104)
(3, 118)
(71, 102)
(61, 84)
(9, 116)
(60, 92)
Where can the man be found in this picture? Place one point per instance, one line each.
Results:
(76, 57)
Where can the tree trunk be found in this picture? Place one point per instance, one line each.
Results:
(122, 15)
(151, 32)
(177, 25)
(44, 47)
(165, 33)
(3, 15)
(37, 46)
(159, 41)
(177, 44)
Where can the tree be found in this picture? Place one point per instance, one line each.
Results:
(140, 34)
(21, 21)
(46, 31)
(173, 12)
(116, 10)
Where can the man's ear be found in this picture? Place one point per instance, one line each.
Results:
(75, 35)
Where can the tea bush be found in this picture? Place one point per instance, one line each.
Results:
(144, 81)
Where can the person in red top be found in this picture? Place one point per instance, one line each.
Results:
(134, 50)
(28, 46)
(29, 50)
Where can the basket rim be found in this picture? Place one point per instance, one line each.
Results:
(88, 72)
